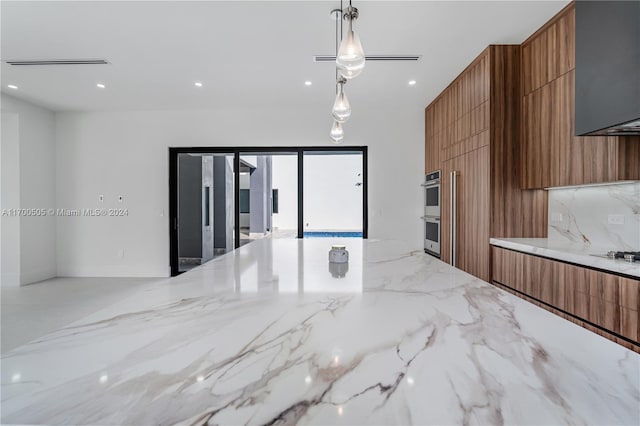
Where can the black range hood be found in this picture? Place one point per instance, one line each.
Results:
(607, 84)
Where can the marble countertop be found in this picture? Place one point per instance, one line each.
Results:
(580, 254)
(270, 334)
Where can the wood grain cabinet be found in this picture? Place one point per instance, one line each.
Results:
(473, 129)
(606, 301)
(552, 155)
(472, 224)
(457, 117)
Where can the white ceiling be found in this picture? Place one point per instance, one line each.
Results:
(247, 54)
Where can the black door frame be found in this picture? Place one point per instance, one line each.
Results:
(236, 151)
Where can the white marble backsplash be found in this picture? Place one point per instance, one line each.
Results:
(585, 216)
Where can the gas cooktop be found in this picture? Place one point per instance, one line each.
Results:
(629, 256)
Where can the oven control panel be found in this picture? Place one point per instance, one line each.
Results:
(432, 176)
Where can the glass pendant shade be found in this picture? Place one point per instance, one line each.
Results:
(349, 74)
(351, 58)
(341, 109)
(337, 133)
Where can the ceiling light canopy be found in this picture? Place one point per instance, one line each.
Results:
(412, 82)
(100, 86)
(12, 86)
(198, 84)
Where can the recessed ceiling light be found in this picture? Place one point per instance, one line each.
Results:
(100, 85)
(308, 83)
(198, 84)
(12, 86)
(412, 82)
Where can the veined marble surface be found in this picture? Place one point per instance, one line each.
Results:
(580, 254)
(267, 335)
(585, 212)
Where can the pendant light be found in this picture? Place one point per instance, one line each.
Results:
(350, 62)
(341, 109)
(350, 58)
(337, 133)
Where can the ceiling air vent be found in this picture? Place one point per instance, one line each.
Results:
(332, 58)
(59, 62)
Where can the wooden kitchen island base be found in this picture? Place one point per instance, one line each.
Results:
(597, 330)
(605, 303)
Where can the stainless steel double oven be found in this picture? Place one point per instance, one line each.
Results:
(432, 197)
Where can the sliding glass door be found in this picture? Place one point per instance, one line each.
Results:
(223, 198)
(333, 188)
(268, 195)
(204, 221)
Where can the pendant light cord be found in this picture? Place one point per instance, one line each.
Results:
(338, 18)
(341, 19)
(338, 37)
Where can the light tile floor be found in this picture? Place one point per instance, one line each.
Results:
(32, 311)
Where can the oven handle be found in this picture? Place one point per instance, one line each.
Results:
(431, 183)
(434, 218)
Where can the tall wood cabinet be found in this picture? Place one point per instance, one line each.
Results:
(552, 155)
(472, 129)
(472, 218)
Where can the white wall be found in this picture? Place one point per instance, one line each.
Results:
(10, 195)
(284, 169)
(126, 153)
(37, 186)
(245, 183)
(332, 200)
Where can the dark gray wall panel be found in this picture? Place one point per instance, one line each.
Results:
(189, 206)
